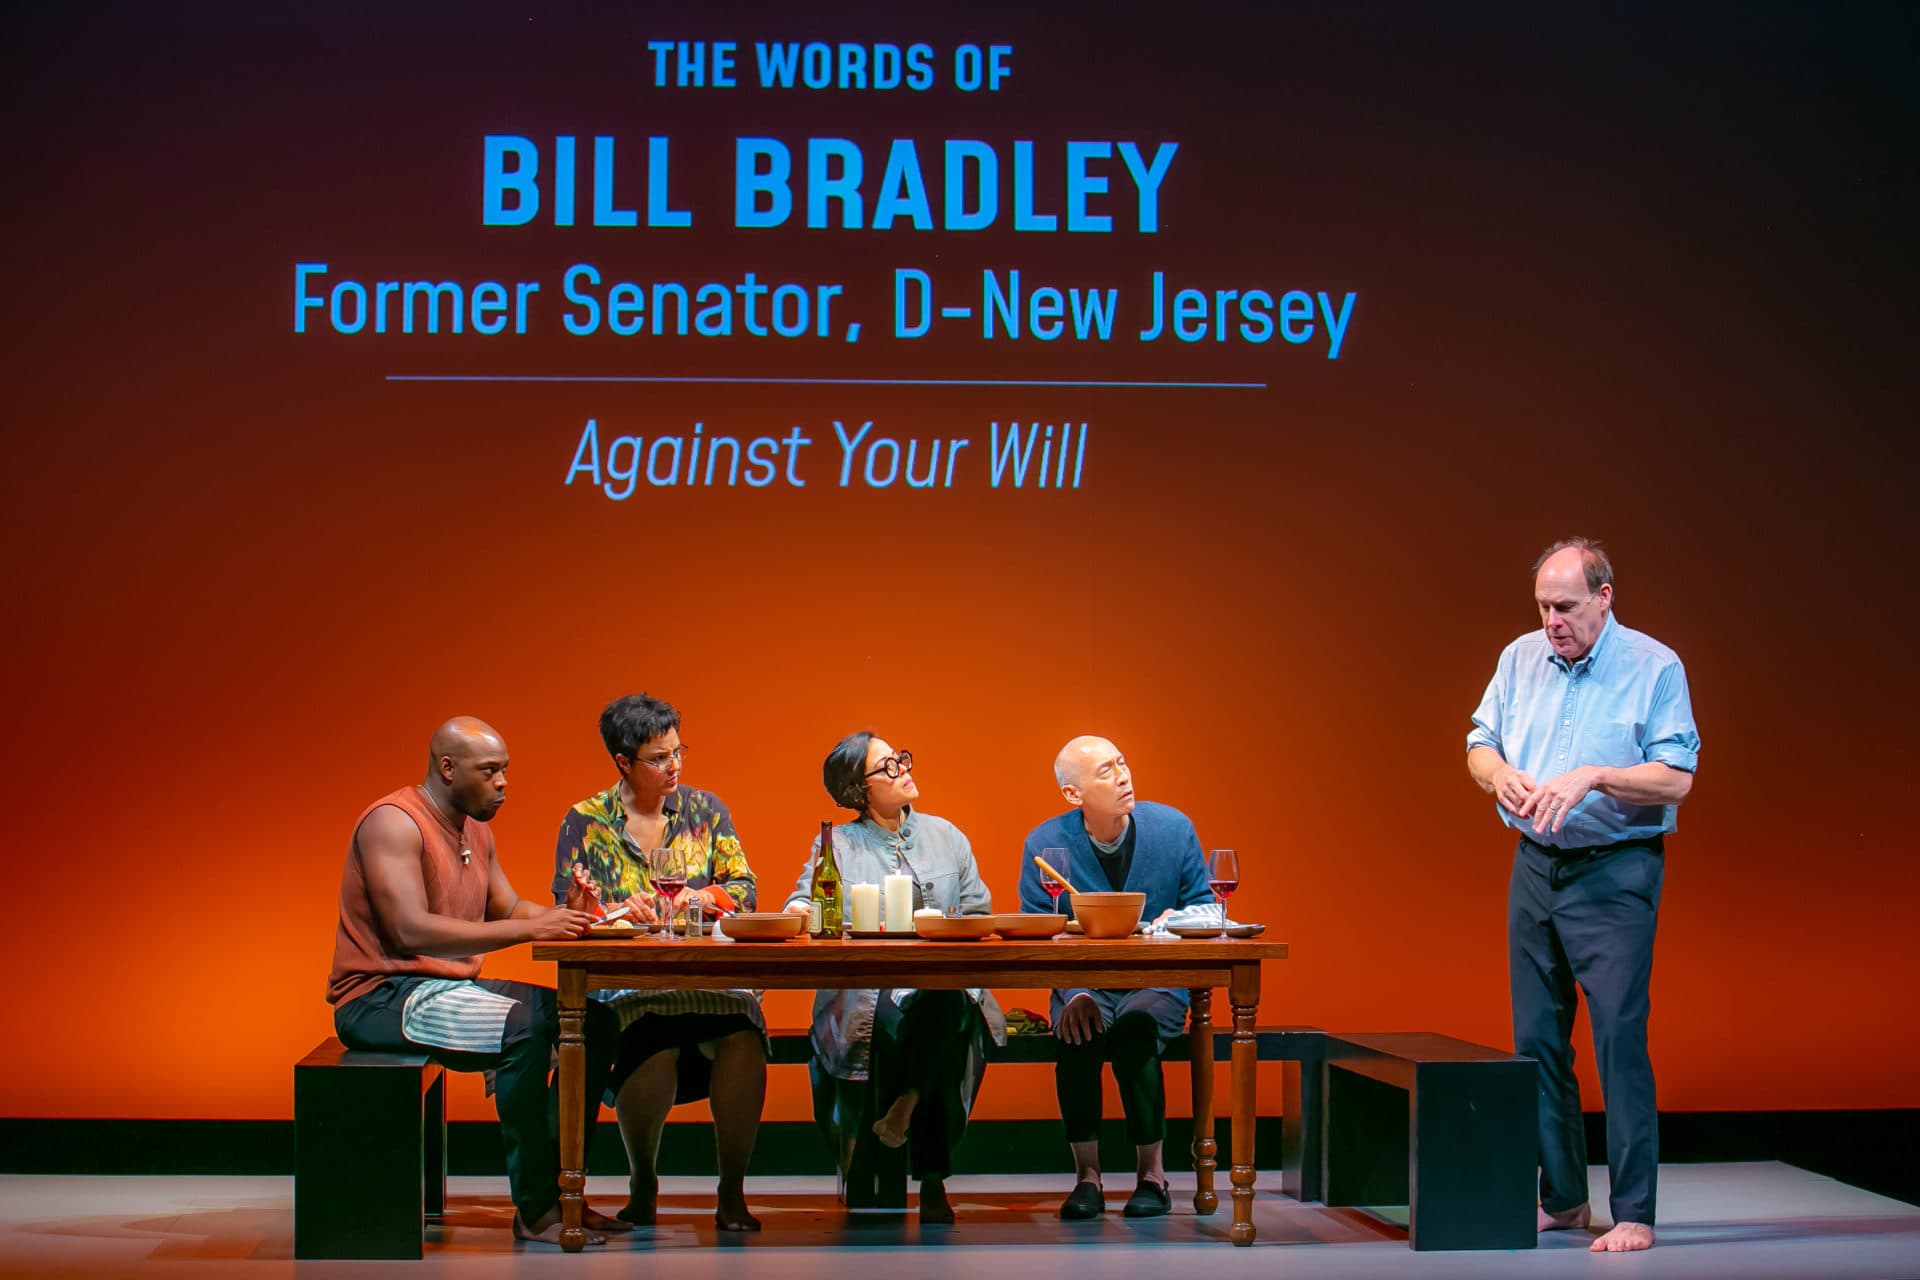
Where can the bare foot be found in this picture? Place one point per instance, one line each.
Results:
(547, 1229)
(891, 1128)
(730, 1211)
(593, 1220)
(643, 1194)
(1626, 1237)
(1574, 1219)
(934, 1209)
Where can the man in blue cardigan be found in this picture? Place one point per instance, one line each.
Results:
(1113, 841)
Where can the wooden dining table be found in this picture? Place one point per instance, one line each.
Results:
(654, 962)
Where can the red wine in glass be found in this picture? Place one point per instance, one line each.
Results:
(668, 884)
(1223, 874)
(668, 871)
(1055, 858)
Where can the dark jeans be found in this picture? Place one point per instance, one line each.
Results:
(527, 1101)
(924, 1047)
(1131, 1039)
(1588, 921)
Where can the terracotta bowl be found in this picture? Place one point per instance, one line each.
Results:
(763, 926)
(1108, 915)
(954, 928)
(1021, 925)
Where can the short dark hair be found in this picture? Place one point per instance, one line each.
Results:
(1593, 558)
(629, 722)
(845, 772)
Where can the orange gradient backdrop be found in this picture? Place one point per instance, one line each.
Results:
(1620, 282)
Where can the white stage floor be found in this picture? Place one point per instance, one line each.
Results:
(1750, 1221)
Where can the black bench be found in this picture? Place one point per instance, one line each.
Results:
(876, 1177)
(1437, 1124)
(370, 1158)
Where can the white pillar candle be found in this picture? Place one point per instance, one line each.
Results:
(863, 900)
(899, 904)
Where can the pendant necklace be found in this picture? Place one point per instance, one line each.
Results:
(459, 833)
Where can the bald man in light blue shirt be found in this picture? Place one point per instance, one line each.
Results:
(1585, 739)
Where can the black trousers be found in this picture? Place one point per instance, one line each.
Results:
(1588, 922)
(1131, 1039)
(924, 1047)
(527, 1101)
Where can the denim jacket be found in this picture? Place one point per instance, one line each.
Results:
(936, 854)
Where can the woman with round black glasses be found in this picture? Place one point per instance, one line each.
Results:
(924, 1052)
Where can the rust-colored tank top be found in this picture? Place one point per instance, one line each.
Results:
(363, 954)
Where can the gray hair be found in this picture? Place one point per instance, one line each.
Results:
(1593, 558)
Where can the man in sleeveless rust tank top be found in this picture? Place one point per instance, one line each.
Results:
(421, 900)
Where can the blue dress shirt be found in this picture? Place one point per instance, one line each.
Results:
(1624, 703)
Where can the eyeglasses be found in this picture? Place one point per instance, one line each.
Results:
(894, 766)
(1549, 608)
(660, 762)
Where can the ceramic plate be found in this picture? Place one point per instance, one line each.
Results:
(1028, 925)
(953, 928)
(766, 926)
(1073, 927)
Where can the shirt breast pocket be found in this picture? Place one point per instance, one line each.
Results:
(944, 892)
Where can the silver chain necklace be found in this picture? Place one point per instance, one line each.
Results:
(459, 833)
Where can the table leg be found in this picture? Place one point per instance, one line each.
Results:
(1244, 991)
(573, 1072)
(1200, 1057)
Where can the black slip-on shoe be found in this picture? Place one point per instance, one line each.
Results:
(1149, 1200)
(1087, 1201)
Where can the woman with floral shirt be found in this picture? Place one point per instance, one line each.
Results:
(675, 1046)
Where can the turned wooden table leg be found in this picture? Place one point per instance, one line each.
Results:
(1245, 994)
(573, 1071)
(1200, 1056)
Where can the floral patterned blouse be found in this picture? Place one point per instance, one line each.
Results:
(699, 828)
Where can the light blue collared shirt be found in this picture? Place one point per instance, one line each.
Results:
(1624, 703)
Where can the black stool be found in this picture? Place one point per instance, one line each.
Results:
(370, 1160)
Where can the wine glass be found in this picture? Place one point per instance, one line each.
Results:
(1056, 858)
(669, 873)
(1223, 876)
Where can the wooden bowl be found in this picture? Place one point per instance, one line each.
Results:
(1022, 925)
(763, 926)
(1108, 915)
(954, 928)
